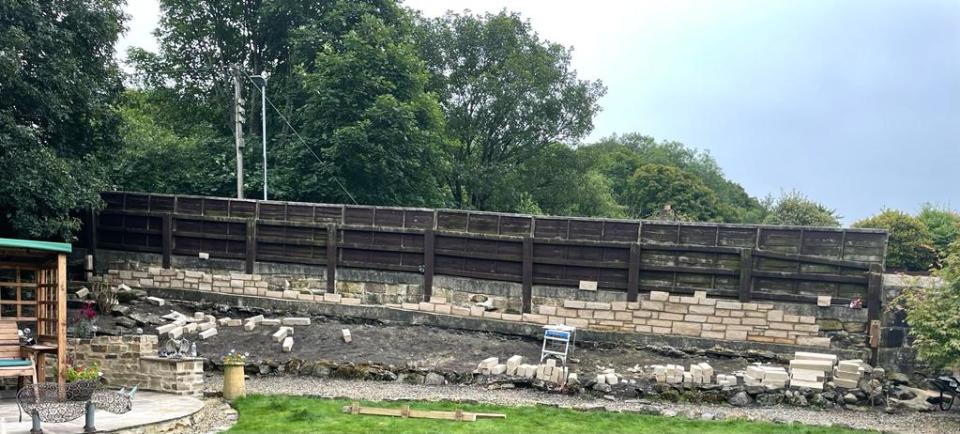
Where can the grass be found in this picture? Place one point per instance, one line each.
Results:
(296, 414)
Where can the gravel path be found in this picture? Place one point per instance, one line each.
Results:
(905, 422)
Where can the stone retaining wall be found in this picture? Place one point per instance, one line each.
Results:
(132, 360)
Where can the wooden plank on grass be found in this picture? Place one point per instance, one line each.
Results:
(458, 415)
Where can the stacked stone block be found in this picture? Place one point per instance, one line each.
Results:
(131, 360)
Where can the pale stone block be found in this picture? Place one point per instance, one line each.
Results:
(208, 333)
(498, 370)
(332, 297)
(175, 333)
(791, 318)
(702, 310)
(155, 301)
(686, 328)
(824, 300)
(603, 314)
(476, 311)
(813, 341)
(730, 305)
(426, 307)
(204, 326)
(291, 294)
(513, 363)
(462, 311)
(511, 317)
(287, 344)
(753, 321)
(350, 301)
(643, 329)
(295, 321)
(695, 318)
(281, 334)
(488, 363)
(808, 319)
(585, 313)
(713, 334)
(534, 318)
(274, 294)
(492, 314)
(780, 326)
(652, 305)
(749, 306)
(671, 316)
(233, 323)
(249, 326)
(659, 296)
(689, 300)
(623, 316)
(618, 305)
(413, 306)
(577, 322)
(597, 305)
(775, 315)
(736, 335)
(547, 310)
(810, 328)
(675, 308)
(347, 337)
(270, 322)
(442, 308)
(166, 328)
(190, 328)
(574, 304)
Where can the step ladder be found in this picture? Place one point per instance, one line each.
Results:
(559, 341)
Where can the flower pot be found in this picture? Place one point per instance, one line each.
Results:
(233, 381)
(81, 390)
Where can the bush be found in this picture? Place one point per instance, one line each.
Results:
(944, 226)
(910, 244)
(934, 315)
(794, 208)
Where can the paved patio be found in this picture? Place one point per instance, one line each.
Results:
(148, 408)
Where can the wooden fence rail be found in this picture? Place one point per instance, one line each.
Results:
(736, 261)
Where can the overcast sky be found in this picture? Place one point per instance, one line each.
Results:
(854, 103)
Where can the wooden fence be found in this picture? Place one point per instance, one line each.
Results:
(748, 262)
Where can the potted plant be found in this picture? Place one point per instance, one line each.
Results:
(233, 379)
(83, 381)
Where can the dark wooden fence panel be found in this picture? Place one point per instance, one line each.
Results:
(748, 262)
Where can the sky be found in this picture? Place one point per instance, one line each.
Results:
(855, 103)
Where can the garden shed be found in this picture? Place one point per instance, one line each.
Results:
(33, 291)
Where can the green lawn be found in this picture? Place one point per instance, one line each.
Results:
(294, 414)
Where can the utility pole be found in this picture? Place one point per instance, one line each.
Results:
(262, 78)
(239, 120)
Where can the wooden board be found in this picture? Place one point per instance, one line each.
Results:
(405, 412)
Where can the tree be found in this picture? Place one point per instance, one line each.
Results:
(933, 313)
(557, 182)
(369, 113)
(59, 84)
(794, 208)
(654, 187)
(506, 95)
(944, 225)
(909, 243)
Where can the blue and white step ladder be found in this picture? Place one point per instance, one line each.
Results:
(559, 341)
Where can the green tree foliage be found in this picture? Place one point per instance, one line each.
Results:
(794, 208)
(58, 82)
(933, 313)
(375, 121)
(506, 95)
(158, 157)
(557, 182)
(654, 187)
(944, 225)
(910, 244)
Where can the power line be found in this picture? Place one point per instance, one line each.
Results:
(302, 141)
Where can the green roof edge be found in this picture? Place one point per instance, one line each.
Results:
(47, 246)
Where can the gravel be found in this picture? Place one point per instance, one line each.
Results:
(875, 419)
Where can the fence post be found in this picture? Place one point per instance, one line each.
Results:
(874, 309)
(633, 273)
(746, 274)
(251, 249)
(166, 233)
(428, 247)
(331, 258)
(527, 278)
(92, 222)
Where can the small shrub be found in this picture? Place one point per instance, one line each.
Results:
(909, 246)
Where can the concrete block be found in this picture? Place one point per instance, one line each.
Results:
(295, 321)
(155, 301)
(281, 334)
(208, 333)
(287, 344)
(659, 296)
(513, 363)
(346, 335)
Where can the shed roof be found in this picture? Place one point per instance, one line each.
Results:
(47, 246)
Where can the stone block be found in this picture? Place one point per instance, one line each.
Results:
(164, 329)
(462, 311)
(585, 313)
(274, 294)
(807, 319)
(652, 305)
(577, 322)
(350, 301)
(729, 305)
(426, 306)
(476, 311)
(701, 310)
(824, 300)
(670, 316)
(618, 305)
(809, 328)
(791, 318)
(547, 310)
(498, 369)
(603, 314)
(780, 325)
(713, 334)
(736, 335)
(347, 337)
(270, 322)
(411, 306)
(687, 328)
(442, 308)
(775, 315)
(249, 326)
(332, 297)
(175, 333)
(675, 308)
(290, 294)
(156, 301)
(695, 318)
(208, 333)
(511, 317)
(438, 300)
(233, 323)
(689, 300)
(659, 296)
(623, 316)
(190, 328)
(597, 305)
(513, 363)
(295, 321)
(574, 304)
(492, 314)
(534, 318)
(204, 326)
(287, 344)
